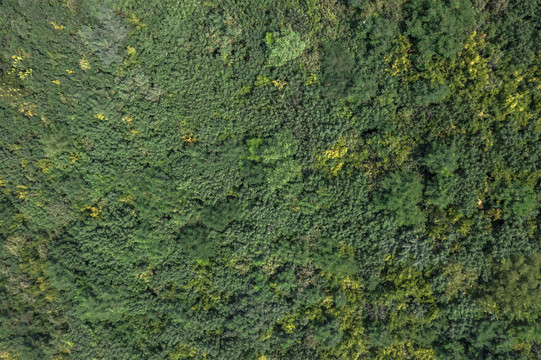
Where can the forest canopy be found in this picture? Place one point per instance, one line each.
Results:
(270, 179)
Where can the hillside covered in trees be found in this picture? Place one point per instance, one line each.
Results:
(270, 179)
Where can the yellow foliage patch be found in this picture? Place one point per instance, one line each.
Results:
(189, 138)
(279, 84)
(312, 79)
(398, 60)
(56, 26)
(95, 211)
(84, 64)
(16, 67)
(27, 109)
(261, 81)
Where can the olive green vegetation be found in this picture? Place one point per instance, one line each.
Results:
(265, 179)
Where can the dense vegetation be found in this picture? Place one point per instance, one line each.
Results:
(270, 179)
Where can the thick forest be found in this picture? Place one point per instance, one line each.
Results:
(270, 179)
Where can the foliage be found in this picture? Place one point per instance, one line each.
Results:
(225, 179)
(284, 47)
(401, 195)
